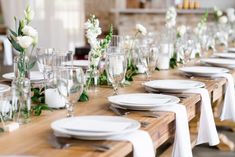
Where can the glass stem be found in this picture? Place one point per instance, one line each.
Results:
(69, 107)
(115, 89)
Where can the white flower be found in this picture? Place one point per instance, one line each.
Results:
(30, 31)
(181, 30)
(141, 29)
(25, 41)
(171, 17)
(29, 14)
(219, 13)
(223, 19)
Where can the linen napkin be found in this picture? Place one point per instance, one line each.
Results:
(207, 130)
(7, 59)
(141, 141)
(228, 110)
(182, 144)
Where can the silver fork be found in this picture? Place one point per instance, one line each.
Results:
(123, 112)
(56, 143)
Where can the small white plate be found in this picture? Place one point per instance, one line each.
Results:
(225, 55)
(58, 127)
(220, 62)
(173, 85)
(34, 76)
(142, 101)
(203, 70)
(79, 63)
(4, 88)
(231, 49)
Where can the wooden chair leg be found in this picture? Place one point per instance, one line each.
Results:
(225, 144)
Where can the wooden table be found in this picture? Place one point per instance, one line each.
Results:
(32, 139)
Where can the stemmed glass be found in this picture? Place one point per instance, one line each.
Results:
(148, 58)
(45, 61)
(117, 41)
(116, 66)
(70, 82)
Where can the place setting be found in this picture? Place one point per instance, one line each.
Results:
(114, 84)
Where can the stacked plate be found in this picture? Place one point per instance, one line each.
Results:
(34, 76)
(142, 101)
(94, 127)
(78, 63)
(220, 62)
(225, 55)
(172, 86)
(231, 49)
(4, 88)
(204, 71)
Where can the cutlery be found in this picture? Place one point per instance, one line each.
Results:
(58, 144)
(123, 112)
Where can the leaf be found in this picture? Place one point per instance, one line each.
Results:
(84, 97)
(13, 33)
(16, 45)
(31, 65)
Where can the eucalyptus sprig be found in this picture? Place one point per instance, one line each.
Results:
(173, 61)
(38, 99)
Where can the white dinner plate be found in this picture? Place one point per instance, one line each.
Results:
(34, 76)
(79, 63)
(203, 70)
(142, 101)
(4, 88)
(173, 85)
(220, 62)
(225, 55)
(231, 49)
(94, 130)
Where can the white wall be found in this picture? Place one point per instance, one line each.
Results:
(222, 4)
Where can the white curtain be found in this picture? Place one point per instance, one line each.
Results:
(59, 22)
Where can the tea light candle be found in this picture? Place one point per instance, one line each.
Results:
(163, 62)
(11, 127)
(53, 99)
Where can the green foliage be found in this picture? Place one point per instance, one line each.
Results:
(105, 42)
(38, 99)
(84, 96)
(103, 79)
(131, 70)
(173, 61)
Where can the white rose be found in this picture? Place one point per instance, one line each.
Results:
(181, 30)
(29, 14)
(223, 19)
(30, 31)
(25, 41)
(219, 13)
(140, 28)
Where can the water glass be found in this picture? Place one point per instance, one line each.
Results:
(70, 82)
(148, 58)
(116, 66)
(45, 61)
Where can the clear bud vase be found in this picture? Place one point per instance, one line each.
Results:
(21, 90)
(92, 74)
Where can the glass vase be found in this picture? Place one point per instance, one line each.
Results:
(92, 74)
(21, 90)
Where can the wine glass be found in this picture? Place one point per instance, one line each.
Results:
(116, 66)
(70, 82)
(148, 58)
(116, 41)
(45, 61)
